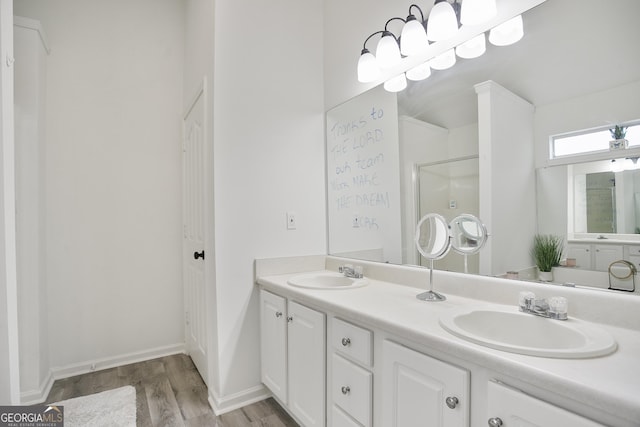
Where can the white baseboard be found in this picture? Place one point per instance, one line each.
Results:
(33, 397)
(74, 369)
(221, 405)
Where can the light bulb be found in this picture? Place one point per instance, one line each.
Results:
(444, 60)
(368, 70)
(396, 84)
(387, 51)
(476, 12)
(413, 40)
(442, 23)
(507, 33)
(419, 72)
(472, 48)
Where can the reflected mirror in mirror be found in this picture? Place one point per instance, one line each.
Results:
(468, 234)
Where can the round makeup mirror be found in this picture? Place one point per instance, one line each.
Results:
(468, 236)
(433, 240)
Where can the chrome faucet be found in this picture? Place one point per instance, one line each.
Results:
(350, 271)
(554, 308)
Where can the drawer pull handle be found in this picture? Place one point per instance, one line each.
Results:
(345, 389)
(289, 319)
(278, 314)
(346, 342)
(452, 402)
(495, 422)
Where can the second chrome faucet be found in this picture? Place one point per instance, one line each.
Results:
(553, 308)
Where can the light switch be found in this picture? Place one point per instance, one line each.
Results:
(291, 221)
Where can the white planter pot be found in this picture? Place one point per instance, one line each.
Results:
(545, 276)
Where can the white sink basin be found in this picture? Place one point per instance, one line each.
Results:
(516, 332)
(326, 280)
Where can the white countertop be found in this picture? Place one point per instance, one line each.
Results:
(609, 383)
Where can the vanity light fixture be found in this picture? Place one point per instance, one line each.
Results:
(368, 69)
(444, 60)
(419, 72)
(396, 84)
(413, 39)
(388, 49)
(444, 20)
(473, 48)
(507, 33)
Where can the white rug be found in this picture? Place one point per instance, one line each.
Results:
(110, 408)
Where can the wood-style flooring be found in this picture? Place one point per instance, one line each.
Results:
(170, 392)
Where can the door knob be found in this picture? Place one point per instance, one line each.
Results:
(495, 422)
(452, 402)
(197, 255)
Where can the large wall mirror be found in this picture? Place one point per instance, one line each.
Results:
(572, 50)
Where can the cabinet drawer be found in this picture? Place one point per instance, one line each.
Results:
(340, 419)
(352, 389)
(633, 250)
(351, 340)
(635, 260)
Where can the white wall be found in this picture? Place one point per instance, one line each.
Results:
(114, 110)
(9, 353)
(269, 159)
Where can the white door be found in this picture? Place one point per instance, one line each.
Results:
(193, 167)
(422, 391)
(273, 344)
(306, 357)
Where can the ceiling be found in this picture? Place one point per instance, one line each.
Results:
(570, 48)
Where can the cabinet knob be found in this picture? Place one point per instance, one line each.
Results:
(346, 342)
(495, 422)
(452, 402)
(289, 319)
(345, 389)
(278, 314)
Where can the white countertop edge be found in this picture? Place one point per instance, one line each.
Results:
(587, 381)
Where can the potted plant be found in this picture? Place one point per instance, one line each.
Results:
(618, 134)
(547, 252)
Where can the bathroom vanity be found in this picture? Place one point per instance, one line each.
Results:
(368, 353)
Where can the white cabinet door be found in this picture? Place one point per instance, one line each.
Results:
(605, 255)
(416, 387)
(581, 253)
(514, 408)
(306, 356)
(273, 344)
